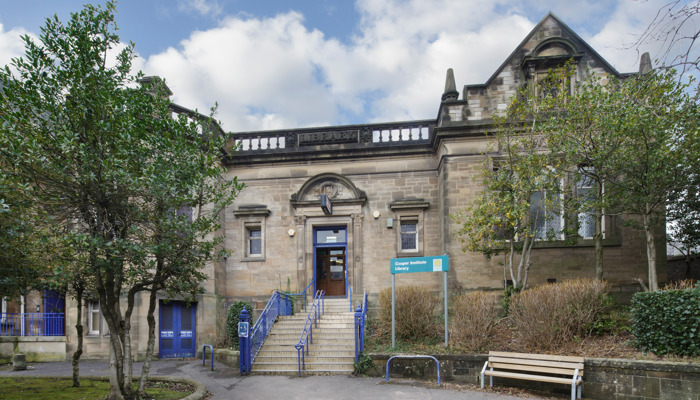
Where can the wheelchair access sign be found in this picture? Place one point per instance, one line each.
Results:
(419, 264)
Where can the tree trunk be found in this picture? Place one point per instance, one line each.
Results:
(598, 241)
(651, 251)
(151, 342)
(79, 331)
(115, 378)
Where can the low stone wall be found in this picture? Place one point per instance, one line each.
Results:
(225, 356)
(604, 379)
(35, 348)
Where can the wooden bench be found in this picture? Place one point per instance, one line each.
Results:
(536, 367)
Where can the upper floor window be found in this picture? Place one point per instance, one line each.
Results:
(254, 240)
(409, 234)
(252, 233)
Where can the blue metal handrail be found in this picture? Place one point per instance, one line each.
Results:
(32, 324)
(360, 319)
(282, 306)
(307, 336)
(303, 293)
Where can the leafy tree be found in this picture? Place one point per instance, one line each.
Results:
(521, 201)
(106, 159)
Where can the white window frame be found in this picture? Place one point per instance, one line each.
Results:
(405, 222)
(94, 312)
(543, 235)
(410, 216)
(248, 225)
(4, 309)
(588, 214)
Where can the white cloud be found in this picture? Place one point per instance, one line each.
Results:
(204, 7)
(11, 45)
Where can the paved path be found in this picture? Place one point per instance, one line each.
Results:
(225, 383)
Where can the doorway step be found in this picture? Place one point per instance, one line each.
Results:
(333, 349)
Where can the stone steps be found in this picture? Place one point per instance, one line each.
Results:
(332, 350)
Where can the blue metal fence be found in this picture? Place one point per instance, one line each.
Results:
(360, 319)
(307, 338)
(279, 304)
(32, 324)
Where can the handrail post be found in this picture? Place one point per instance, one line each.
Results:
(244, 344)
(358, 317)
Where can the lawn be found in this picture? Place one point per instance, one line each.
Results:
(37, 388)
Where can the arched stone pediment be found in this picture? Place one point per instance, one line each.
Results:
(338, 188)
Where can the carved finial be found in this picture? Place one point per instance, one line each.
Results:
(451, 92)
(645, 64)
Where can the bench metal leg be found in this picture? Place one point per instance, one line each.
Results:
(580, 388)
(482, 374)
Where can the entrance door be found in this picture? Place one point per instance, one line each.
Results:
(177, 330)
(330, 270)
(330, 248)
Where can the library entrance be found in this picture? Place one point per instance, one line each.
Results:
(330, 260)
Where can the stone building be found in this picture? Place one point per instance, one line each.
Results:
(392, 188)
(389, 190)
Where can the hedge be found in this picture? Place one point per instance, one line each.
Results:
(667, 322)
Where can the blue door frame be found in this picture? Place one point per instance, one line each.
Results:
(323, 243)
(177, 332)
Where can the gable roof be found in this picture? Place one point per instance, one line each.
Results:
(574, 38)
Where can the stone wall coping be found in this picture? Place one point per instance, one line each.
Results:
(646, 365)
(15, 339)
(643, 365)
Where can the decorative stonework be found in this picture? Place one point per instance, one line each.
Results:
(328, 137)
(337, 187)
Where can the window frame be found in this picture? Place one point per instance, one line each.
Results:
(559, 233)
(92, 310)
(251, 225)
(410, 216)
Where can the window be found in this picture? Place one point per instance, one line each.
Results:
(4, 309)
(586, 192)
(252, 233)
(254, 241)
(94, 318)
(545, 215)
(409, 235)
(409, 226)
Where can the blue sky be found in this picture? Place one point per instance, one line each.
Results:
(274, 64)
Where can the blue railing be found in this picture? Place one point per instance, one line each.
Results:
(279, 304)
(303, 293)
(31, 324)
(307, 337)
(360, 319)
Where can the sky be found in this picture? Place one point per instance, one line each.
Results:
(276, 64)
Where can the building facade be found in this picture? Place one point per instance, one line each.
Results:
(330, 207)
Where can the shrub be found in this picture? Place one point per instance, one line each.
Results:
(474, 317)
(232, 320)
(415, 312)
(667, 322)
(547, 316)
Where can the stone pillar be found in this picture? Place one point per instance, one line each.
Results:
(357, 286)
(300, 237)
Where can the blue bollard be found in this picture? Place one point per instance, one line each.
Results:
(244, 341)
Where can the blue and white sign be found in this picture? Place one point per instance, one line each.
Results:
(243, 329)
(167, 334)
(186, 334)
(419, 264)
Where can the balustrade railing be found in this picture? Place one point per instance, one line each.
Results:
(303, 293)
(397, 133)
(360, 319)
(32, 324)
(307, 338)
(279, 304)
(348, 288)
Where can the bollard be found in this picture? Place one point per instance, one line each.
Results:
(19, 362)
(244, 341)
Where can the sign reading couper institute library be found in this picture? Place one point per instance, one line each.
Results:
(419, 264)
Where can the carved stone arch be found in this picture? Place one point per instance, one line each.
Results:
(338, 188)
(567, 47)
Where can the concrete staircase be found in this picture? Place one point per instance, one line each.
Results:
(333, 349)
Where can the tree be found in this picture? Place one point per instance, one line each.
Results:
(521, 201)
(104, 156)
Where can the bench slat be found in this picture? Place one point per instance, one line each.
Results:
(528, 356)
(539, 378)
(539, 363)
(546, 370)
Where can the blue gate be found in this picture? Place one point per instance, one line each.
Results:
(177, 330)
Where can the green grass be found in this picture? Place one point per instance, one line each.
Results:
(36, 388)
